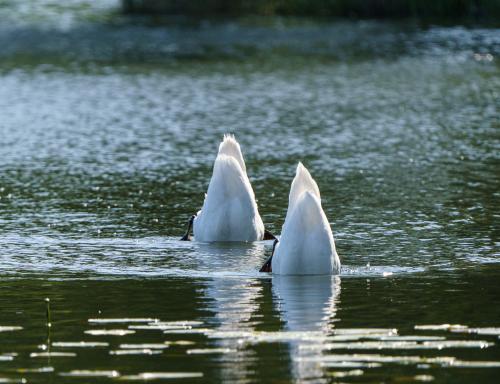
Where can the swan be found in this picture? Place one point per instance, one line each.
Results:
(306, 245)
(229, 212)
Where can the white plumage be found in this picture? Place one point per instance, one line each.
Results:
(306, 245)
(229, 212)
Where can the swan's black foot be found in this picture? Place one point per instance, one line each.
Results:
(267, 267)
(187, 236)
(268, 235)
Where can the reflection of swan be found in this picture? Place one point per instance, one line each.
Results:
(229, 212)
(306, 245)
(234, 303)
(224, 257)
(306, 304)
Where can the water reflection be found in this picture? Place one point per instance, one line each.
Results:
(230, 257)
(234, 303)
(307, 304)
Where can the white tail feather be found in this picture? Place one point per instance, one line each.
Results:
(306, 244)
(229, 212)
(301, 183)
(230, 147)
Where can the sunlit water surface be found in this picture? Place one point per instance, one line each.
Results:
(108, 130)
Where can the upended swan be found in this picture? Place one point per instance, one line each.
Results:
(229, 212)
(306, 245)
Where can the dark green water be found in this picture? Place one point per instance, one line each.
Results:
(108, 130)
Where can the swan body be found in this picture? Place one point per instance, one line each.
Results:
(306, 245)
(229, 212)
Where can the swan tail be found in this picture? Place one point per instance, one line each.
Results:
(311, 213)
(229, 211)
(230, 178)
(306, 245)
(302, 182)
(230, 147)
(320, 237)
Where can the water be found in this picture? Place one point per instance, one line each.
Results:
(109, 128)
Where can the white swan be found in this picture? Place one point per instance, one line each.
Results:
(229, 212)
(306, 245)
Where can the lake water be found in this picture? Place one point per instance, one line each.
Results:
(108, 131)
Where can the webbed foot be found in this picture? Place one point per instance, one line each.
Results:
(267, 267)
(187, 236)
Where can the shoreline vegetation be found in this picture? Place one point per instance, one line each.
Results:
(477, 10)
